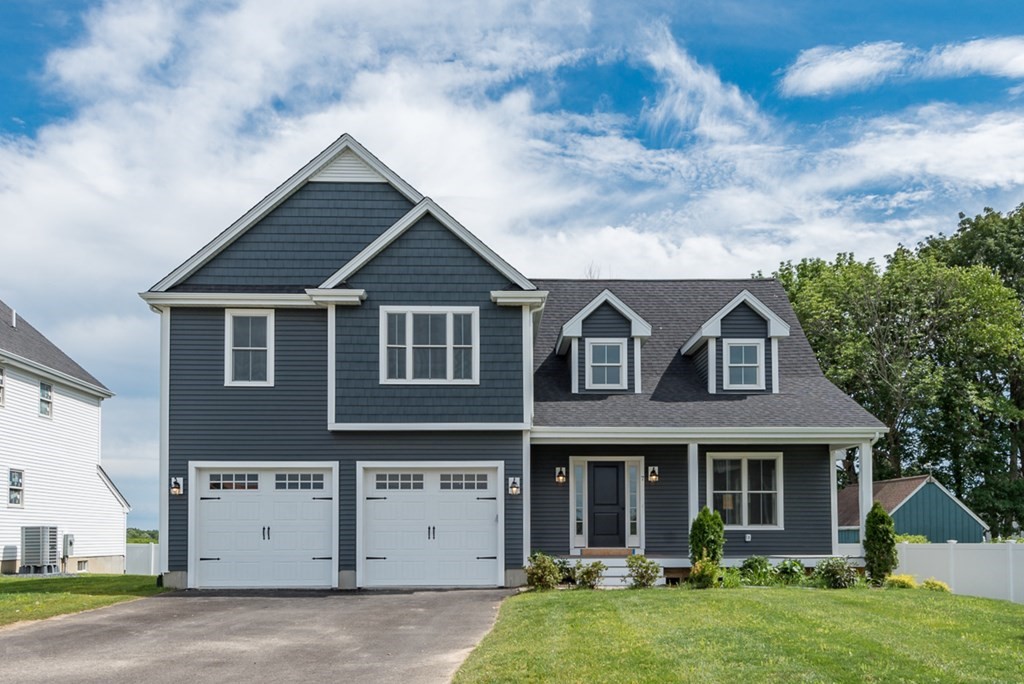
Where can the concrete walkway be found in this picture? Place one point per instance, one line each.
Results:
(281, 636)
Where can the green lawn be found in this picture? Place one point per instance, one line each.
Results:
(35, 598)
(753, 634)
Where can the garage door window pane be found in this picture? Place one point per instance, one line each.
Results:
(398, 481)
(299, 481)
(235, 481)
(457, 481)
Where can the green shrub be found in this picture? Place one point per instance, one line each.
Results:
(835, 573)
(588, 575)
(704, 573)
(791, 571)
(911, 539)
(901, 582)
(880, 556)
(759, 572)
(731, 578)
(643, 572)
(567, 570)
(707, 537)
(933, 584)
(542, 572)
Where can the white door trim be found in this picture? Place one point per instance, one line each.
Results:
(574, 548)
(193, 493)
(363, 466)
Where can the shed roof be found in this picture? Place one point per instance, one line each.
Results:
(889, 493)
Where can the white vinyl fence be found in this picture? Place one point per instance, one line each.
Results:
(986, 570)
(142, 559)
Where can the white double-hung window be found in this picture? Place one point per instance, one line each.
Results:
(746, 489)
(430, 345)
(607, 367)
(249, 347)
(743, 364)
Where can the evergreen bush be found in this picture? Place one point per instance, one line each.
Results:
(880, 557)
(707, 537)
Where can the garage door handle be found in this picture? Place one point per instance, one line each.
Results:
(209, 498)
(487, 558)
(486, 498)
(376, 498)
(321, 558)
(376, 558)
(322, 498)
(268, 531)
(202, 559)
(264, 533)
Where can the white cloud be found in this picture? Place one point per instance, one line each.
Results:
(825, 70)
(1002, 57)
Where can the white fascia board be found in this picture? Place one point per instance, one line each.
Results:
(283, 192)
(670, 435)
(229, 299)
(693, 344)
(56, 376)
(574, 326)
(425, 206)
(428, 427)
(339, 297)
(531, 298)
(113, 488)
(776, 326)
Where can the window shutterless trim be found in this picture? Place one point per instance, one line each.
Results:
(624, 365)
(229, 314)
(745, 484)
(726, 345)
(3, 384)
(449, 346)
(46, 399)
(11, 487)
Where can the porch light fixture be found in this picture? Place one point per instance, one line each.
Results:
(652, 474)
(176, 488)
(514, 488)
(560, 476)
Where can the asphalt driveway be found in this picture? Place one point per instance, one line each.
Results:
(277, 636)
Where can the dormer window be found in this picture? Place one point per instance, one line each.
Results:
(743, 363)
(606, 364)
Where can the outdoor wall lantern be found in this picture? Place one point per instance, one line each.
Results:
(560, 476)
(176, 488)
(652, 474)
(513, 486)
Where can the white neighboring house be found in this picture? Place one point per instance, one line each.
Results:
(50, 472)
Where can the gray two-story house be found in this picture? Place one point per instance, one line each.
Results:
(357, 392)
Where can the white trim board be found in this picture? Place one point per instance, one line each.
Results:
(839, 437)
(425, 427)
(744, 457)
(713, 326)
(311, 299)
(53, 376)
(279, 195)
(573, 328)
(425, 206)
(578, 542)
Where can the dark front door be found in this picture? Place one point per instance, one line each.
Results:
(607, 494)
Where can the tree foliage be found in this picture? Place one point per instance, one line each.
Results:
(707, 537)
(932, 343)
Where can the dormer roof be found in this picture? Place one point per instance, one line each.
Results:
(713, 326)
(574, 326)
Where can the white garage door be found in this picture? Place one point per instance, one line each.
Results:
(430, 527)
(262, 527)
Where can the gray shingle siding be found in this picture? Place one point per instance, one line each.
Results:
(287, 422)
(428, 265)
(743, 323)
(666, 510)
(304, 240)
(700, 364)
(606, 322)
(807, 503)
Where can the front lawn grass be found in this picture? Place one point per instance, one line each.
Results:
(35, 598)
(754, 634)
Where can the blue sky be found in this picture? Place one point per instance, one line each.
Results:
(658, 139)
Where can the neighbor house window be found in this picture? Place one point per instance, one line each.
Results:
(743, 364)
(16, 488)
(606, 364)
(3, 379)
(45, 400)
(249, 348)
(430, 345)
(746, 489)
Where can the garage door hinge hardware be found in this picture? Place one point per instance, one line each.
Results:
(202, 559)
(209, 498)
(322, 498)
(321, 558)
(487, 558)
(376, 558)
(486, 498)
(376, 498)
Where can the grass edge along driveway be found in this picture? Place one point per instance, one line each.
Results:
(753, 634)
(36, 598)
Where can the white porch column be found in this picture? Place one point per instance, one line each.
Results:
(693, 482)
(866, 486)
(836, 455)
